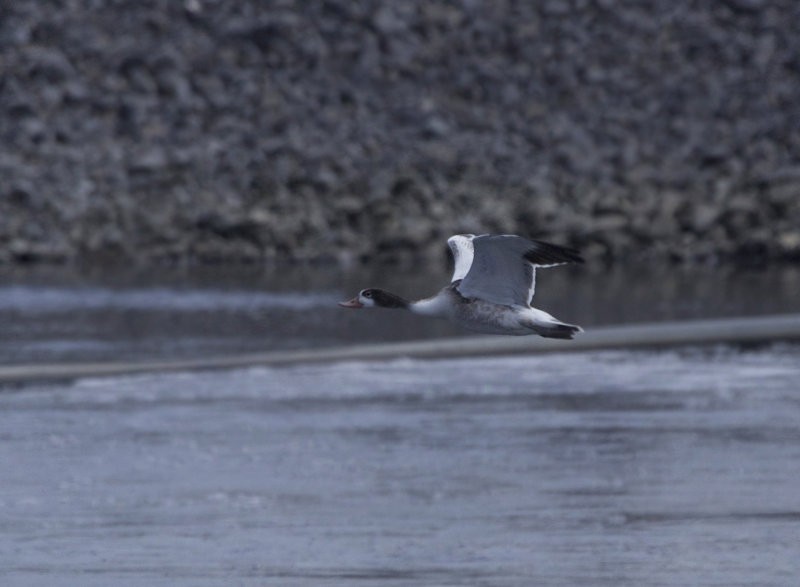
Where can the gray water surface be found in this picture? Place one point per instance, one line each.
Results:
(50, 315)
(604, 469)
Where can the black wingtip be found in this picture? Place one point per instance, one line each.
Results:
(546, 253)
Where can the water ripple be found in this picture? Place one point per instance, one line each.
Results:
(42, 300)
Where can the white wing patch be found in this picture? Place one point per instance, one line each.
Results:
(532, 289)
(463, 254)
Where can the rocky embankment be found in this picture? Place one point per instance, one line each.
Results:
(249, 130)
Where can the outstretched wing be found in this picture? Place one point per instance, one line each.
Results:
(503, 270)
(463, 252)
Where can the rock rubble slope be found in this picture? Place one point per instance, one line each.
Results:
(251, 130)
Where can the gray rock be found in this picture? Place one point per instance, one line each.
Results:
(261, 130)
(789, 242)
(704, 216)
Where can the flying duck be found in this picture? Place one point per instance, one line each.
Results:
(491, 288)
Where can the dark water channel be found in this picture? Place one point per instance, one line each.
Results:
(51, 315)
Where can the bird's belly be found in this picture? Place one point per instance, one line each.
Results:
(491, 319)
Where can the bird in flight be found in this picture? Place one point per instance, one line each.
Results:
(491, 289)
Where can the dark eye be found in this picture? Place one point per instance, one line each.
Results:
(367, 294)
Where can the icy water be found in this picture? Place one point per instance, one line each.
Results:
(606, 469)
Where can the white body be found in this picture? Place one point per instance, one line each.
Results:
(493, 282)
(486, 317)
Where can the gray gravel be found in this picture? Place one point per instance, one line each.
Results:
(345, 129)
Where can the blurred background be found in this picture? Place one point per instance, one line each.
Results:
(251, 130)
(199, 153)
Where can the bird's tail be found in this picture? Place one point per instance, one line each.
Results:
(547, 326)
